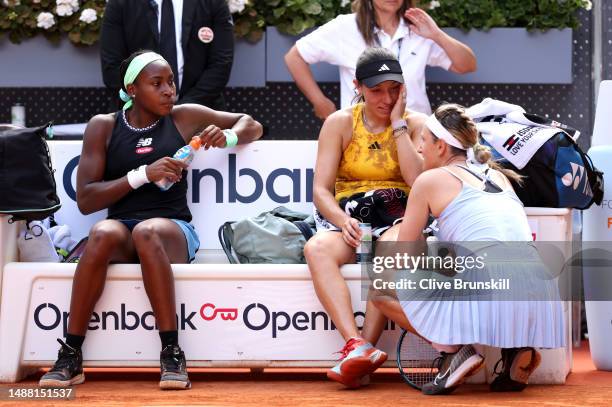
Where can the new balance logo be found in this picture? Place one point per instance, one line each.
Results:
(374, 146)
(144, 142)
(384, 67)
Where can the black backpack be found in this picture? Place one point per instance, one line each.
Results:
(559, 175)
(27, 185)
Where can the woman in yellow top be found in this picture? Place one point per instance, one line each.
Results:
(369, 146)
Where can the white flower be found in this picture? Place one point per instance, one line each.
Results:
(66, 7)
(88, 16)
(64, 10)
(588, 5)
(45, 20)
(344, 3)
(434, 4)
(11, 3)
(236, 6)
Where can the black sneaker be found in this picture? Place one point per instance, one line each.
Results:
(453, 369)
(173, 369)
(517, 364)
(67, 370)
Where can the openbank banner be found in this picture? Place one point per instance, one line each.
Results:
(224, 184)
(217, 320)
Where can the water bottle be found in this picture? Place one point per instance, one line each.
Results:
(364, 250)
(184, 154)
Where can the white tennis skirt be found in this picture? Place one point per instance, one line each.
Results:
(530, 313)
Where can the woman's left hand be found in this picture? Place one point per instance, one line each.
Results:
(421, 23)
(399, 108)
(212, 136)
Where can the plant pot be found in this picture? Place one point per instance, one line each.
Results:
(38, 63)
(249, 67)
(68, 66)
(513, 55)
(505, 55)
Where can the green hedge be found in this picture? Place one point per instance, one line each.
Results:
(81, 20)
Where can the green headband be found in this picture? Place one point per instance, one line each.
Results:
(132, 72)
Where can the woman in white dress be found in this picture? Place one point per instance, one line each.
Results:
(471, 205)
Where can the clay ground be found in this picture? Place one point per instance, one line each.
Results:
(301, 387)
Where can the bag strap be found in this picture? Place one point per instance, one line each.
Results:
(288, 214)
(594, 177)
(489, 184)
(52, 221)
(226, 235)
(304, 227)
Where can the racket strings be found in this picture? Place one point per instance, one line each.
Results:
(418, 361)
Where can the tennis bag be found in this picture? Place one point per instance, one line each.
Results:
(277, 236)
(27, 185)
(558, 175)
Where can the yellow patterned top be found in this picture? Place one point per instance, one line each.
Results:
(369, 161)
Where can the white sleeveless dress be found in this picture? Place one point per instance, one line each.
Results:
(478, 216)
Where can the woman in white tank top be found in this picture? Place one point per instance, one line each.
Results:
(475, 203)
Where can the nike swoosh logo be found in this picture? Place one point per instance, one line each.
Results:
(438, 377)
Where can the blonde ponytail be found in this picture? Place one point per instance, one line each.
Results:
(463, 128)
(484, 156)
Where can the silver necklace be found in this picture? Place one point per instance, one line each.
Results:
(136, 129)
(365, 122)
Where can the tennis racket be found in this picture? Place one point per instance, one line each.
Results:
(415, 358)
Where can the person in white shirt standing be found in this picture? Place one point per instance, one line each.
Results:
(408, 32)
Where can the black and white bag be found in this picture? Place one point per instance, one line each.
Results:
(557, 173)
(27, 185)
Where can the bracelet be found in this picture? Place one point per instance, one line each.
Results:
(231, 138)
(398, 124)
(138, 177)
(399, 131)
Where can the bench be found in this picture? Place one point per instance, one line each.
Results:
(253, 316)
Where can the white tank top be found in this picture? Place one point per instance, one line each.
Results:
(476, 215)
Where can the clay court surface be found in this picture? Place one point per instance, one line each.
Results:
(298, 387)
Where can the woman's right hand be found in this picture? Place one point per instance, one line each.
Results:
(165, 168)
(324, 108)
(399, 109)
(351, 232)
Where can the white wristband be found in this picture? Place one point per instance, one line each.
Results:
(138, 177)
